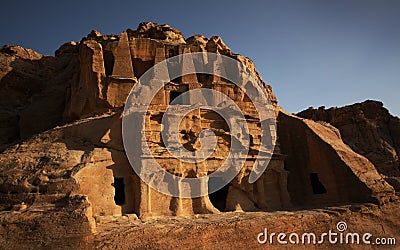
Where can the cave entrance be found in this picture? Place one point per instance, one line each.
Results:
(218, 198)
(316, 184)
(119, 186)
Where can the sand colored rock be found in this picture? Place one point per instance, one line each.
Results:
(108, 67)
(370, 130)
(62, 153)
(323, 168)
(33, 90)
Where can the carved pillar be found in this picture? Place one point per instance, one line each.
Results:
(203, 205)
(260, 192)
(123, 68)
(285, 197)
(188, 66)
(160, 76)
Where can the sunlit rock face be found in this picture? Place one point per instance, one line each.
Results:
(60, 138)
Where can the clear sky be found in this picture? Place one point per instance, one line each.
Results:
(312, 52)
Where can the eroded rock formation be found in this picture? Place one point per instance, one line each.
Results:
(317, 153)
(62, 150)
(108, 67)
(370, 130)
(33, 90)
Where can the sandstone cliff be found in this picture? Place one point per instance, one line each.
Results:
(370, 130)
(33, 90)
(311, 147)
(63, 165)
(107, 61)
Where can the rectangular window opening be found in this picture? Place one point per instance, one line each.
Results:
(119, 186)
(316, 184)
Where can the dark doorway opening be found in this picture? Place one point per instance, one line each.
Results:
(316, 184)
(173, 95)
(119, 186)
(218, 198)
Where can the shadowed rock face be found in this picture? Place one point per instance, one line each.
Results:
(370, 130)
(33, 90)
(62, 152)
(323, 168)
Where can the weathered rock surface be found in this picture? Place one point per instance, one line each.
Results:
(316, 149)
(370, 130)
(66, 224)
(33, 90)
(110, 65)
(62, 160)
(210, 231)
(159, 32)
(241, 229)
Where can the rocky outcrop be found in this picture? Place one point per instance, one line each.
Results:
(158, 32)
(370, 130)
(67, 161)
(62, 153)
(88, 82)
(33, 90)
(110, 65)
(240, 230)
(323, 169)
(57, 229)
(67, 224)
(85, 78)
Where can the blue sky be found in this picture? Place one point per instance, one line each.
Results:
(313, 53)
